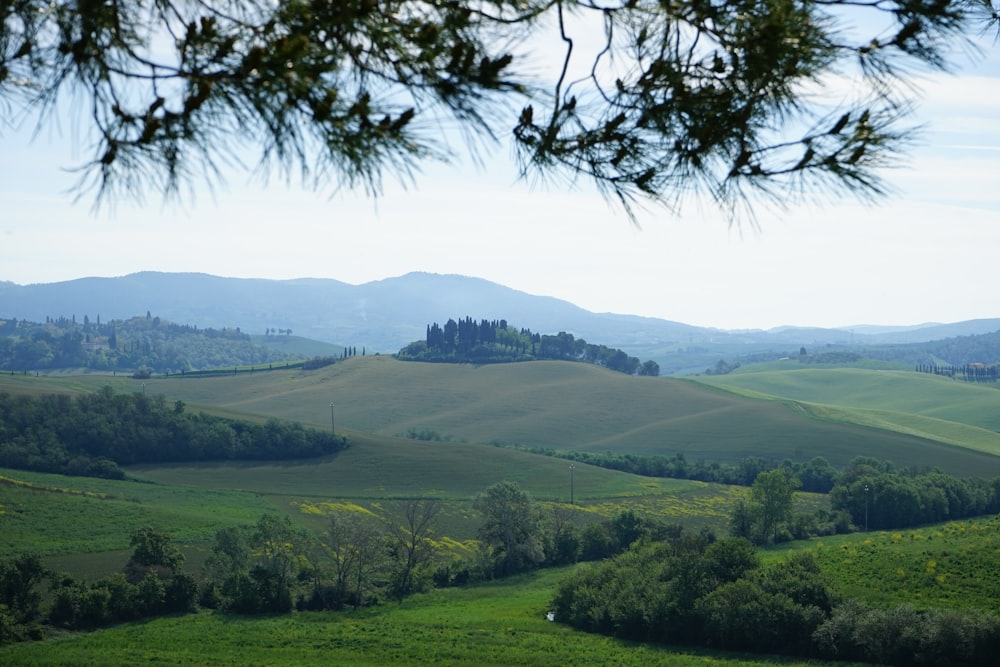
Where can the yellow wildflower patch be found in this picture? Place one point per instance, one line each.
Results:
(330, 508)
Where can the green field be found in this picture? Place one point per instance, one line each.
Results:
(83, 525)
(55, 515)
(571, 406)
(932, 407)
(496, 624)
(75, 522)
(955, 565)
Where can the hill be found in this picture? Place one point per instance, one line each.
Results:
(386, 315)
(927, 406)
(568, 406)
(148, 344)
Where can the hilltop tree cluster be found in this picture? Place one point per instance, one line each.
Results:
(494, 341)
(147, 343)
(92, 434)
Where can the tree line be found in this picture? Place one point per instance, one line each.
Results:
(357, 559)
(495, 341)
(655, 581)
(816, 475)
(716, 593)
(976, 372)
(92, 434)
(147, 343)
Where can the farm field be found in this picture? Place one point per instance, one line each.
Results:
(927, 406)
(502, 623)
(568, 406)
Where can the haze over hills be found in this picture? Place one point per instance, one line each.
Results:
(385, 315)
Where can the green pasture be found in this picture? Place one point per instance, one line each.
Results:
(955, 565)
(386, 467)
(375, 472)
(929, 406)
(54, 515)
(502, 623)
(568, 406)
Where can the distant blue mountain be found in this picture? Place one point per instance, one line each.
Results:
(385, 315)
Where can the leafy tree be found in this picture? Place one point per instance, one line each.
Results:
(649, 100)
(357, 548)
(510, 529)
(769, 505)
(252, 568)
(410, 528)
(563, 540)
(772, 494)
(152, 549)
(19, 581)
(277, 546)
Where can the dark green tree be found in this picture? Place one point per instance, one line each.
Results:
(769, 505)
(153, 549)
(649, 100)
(20, 578)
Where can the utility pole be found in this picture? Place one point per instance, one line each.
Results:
(333, 431)
(572, 491)
(866, 508)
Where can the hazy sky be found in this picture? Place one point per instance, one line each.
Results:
(929, 253)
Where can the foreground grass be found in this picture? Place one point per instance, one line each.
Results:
(497, 624)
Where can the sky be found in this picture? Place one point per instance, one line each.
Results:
(928, 253)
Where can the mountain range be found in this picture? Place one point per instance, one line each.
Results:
(385, 315)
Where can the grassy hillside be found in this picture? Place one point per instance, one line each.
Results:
(949, 566)
(564, 405)
(926, 406)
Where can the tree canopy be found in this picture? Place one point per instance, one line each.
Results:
(651, 101)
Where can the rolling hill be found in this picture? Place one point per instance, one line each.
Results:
(570, 406)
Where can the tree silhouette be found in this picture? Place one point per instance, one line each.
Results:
(649, 100)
